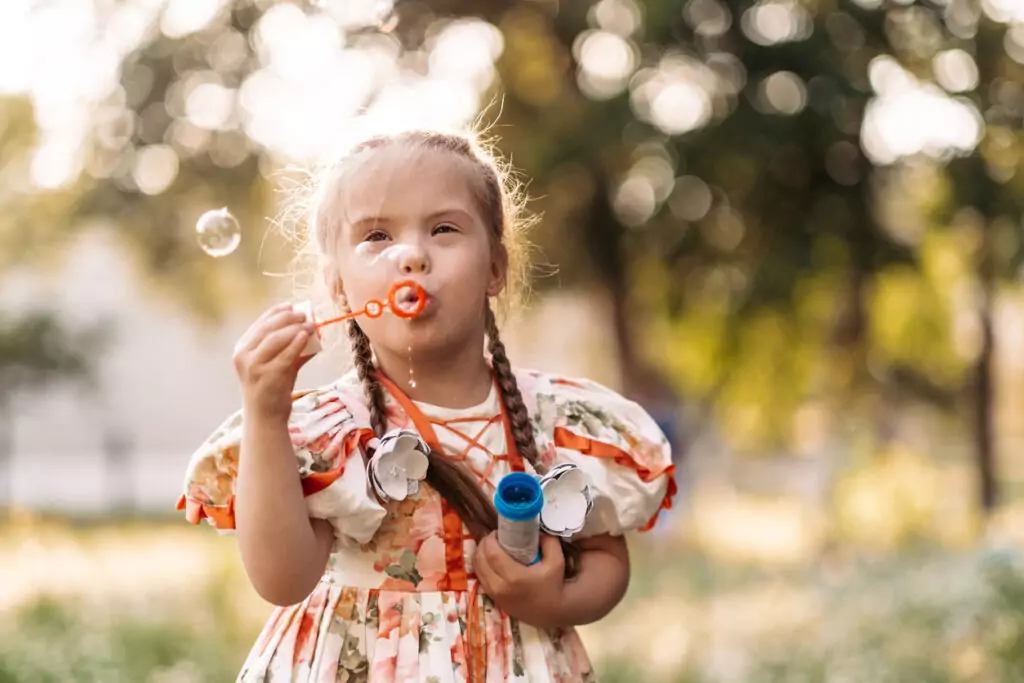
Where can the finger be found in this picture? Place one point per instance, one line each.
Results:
(484, 574)
(262, 328)
(551, 556)
(247, 341)
(272, 346)
(292, 352)
(503, 564)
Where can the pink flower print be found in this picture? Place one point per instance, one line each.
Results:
(427, 520)
(389, 611)
(385, 656)
(431, 564)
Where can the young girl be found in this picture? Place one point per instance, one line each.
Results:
(419, 590)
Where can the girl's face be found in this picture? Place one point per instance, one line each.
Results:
(412, 214)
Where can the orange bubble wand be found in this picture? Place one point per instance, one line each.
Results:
(375, 308)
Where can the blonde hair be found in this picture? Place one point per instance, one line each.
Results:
(312, 213)
(502, 204)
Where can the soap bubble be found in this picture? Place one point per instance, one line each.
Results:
(365, 252)
(218, 233)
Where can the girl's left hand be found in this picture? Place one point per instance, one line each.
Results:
(532, 593)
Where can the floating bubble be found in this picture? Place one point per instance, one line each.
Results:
(366, 252)
(218, 233)
(397, 252)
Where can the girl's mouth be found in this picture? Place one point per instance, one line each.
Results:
(409, 299)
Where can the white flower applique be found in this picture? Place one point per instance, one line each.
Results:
(398, 465)
(568, 500)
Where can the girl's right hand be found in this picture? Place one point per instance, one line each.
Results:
(267, 359)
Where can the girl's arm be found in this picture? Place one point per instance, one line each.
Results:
(601, 584)
(284, 551)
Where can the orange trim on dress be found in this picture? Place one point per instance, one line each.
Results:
(454, 538)
(565, 438)
(223, 516)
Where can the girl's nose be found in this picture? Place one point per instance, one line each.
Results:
(410, 259)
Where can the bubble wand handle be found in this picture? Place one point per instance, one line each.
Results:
(375, 308)
(519, 500)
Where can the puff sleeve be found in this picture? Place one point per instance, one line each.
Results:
(328, 440)
(616, 443)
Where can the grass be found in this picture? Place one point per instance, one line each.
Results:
(149, 602)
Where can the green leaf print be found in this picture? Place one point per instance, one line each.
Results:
(426, 637)
(405, 569)
(373, 609)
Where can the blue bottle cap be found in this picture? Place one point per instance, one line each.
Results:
(519, 497)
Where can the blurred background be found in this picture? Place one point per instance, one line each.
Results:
(789, 228)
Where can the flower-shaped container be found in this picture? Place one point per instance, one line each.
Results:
(398, 465)
(568, 500)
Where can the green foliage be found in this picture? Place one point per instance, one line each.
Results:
(62, 641)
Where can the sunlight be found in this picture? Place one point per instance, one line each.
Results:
(466, 50)
(606, 60)
(1005, 11)
(784, 92)
(909, 117)
(618, 16)
(956, 71)
(773, 22)
(66, 58)
(182, 17)
(675, 97)
(156, 167)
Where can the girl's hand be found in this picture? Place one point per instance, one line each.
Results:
(531, 594)
(267, 360)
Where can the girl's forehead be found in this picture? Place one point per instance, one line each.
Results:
(400, 179)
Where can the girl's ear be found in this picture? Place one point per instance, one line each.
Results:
(499, 271)
(332, 280)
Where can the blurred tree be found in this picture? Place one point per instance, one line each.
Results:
(713, 152)
(37, 350)
(988, 192)
(701, 163)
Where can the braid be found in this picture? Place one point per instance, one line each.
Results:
(451, 480)
(519, 417)
(362, 353)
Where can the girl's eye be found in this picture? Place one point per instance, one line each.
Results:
(443, 228)
(376, 236)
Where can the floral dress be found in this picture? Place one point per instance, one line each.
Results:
(398, 600)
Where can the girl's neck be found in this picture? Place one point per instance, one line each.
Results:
(454, 380)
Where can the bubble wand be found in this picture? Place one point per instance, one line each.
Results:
(375, 308)
(406, 299)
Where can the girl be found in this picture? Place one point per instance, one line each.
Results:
(419, 590)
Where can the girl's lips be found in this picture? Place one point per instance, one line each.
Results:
(416, 301)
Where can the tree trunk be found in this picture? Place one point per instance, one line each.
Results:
(984, 405)
(605, 246)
